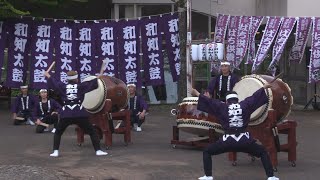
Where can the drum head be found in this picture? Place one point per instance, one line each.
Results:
(93, 100)
(245, 88)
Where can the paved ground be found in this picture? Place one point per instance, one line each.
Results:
(25, 155)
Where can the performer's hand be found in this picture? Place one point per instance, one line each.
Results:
(267, 85)
(141, 115)
(38, 121)
(207, 94)
(46, 74)
(194, 92)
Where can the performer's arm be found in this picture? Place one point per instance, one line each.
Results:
(144, 107)
(57, 86)
(88, 86)
(258, 98)
(211, 86)
(211, 106)
(55, 106)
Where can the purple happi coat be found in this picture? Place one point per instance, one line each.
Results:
(214, 86)
(137, 104)
(72, 96)
(27, 103)
(45, 109)
(234, 118)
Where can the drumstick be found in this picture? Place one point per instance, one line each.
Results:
(275, 78)
(102, 68)
(44, 124)
(51, 66)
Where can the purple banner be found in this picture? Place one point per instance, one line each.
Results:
(2, 44)
(129, 52)
(152, 51)
(86, 60)
(41, 53)
(242, 40)
(269, 34)
(232, 36)
(221, 28)
(314, 68)
(19, 34)
(171, 31)
(281, 40)
(254, 27)
(64, 49)
(107, 47)
(302, 32)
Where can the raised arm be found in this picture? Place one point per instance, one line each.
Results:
(88, 86)
(54, 84)
(206, 104)
(211, 86)
(257, 99)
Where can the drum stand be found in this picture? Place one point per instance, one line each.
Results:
(267, 133)
(196, 143)
(102, 120)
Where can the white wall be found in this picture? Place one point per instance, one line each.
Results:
(271, 7)
(233, 7)
(303, 8)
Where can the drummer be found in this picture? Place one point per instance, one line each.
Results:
(24, 107)
(46, 112)
(72, 111)
(234, 117)
(224, 82)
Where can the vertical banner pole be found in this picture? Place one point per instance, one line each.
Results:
(188, 49)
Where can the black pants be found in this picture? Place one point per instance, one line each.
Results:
(51, 119)
(136, 120)
(83, 123)
(23, 114)
(230, 145)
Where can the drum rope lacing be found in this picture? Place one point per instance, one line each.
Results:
(27, 103)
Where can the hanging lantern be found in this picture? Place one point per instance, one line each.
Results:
(219, 51)
(202, 52)
(210, 51)
(194, 52)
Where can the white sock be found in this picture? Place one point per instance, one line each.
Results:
(101, 153)
(55, 153)
(53, 130)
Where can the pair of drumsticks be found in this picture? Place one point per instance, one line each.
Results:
(101, 69)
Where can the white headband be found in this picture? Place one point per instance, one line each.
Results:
(231, 96)
(24, 87)
(225, 63)
(43, 90)
(72, 77)
(131, 85)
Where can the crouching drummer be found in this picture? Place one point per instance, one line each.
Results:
(46, 113)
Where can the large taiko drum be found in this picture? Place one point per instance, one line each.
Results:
(191, 120)
(108, 88)
(280, 98)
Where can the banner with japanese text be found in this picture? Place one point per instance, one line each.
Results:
(18, 49)
(314, 68)
(255, 23)
(232, 37)
(129, 52)
(170, 23)
(65, 48)
(2, 44)
(242, 40)
(152, 51)
(269, 34)
(107, 47)
(302, 33)
(41, 53)
(221, 28)
(281, 40)
(85, 53)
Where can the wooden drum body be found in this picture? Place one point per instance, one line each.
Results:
(108, 88)
(280, 98)
(191, 120)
